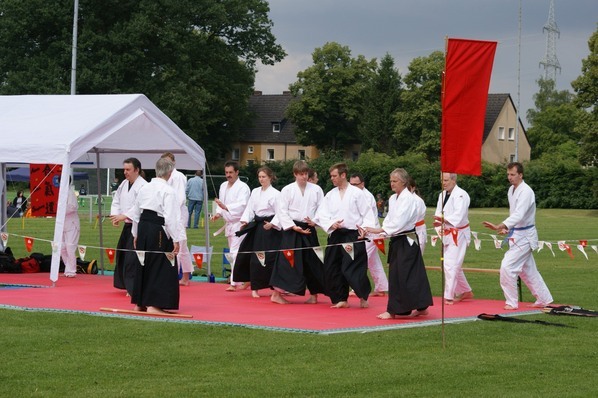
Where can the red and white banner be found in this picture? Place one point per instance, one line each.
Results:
(466, 81)
(44, 184)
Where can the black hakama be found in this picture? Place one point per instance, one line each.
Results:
(248, 267)
(409, 288)
(126, 261)
(307, 270)
(341, 271)
(156, 282)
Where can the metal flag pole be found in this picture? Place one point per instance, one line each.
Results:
(74, 53)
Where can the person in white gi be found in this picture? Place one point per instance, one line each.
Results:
(70, 234)
(122, 201)
(343, 210)
(454, 202)
(178, 182)
(374, 262)
(523, 240)
(232, 200)
(296, 209)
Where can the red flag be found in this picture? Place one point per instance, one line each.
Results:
(380, 245)
(290, 255)
(198, 259)
(465, 93)
(583, 242)
(28, 244)
(111, 253)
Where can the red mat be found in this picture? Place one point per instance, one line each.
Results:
(209, 303)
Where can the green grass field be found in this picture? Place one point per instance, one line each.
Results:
(51, 354)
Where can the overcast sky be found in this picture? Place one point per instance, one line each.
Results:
(407, 29)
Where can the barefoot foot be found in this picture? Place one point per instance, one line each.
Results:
(312, 299)
(278, 299)
(340, 304)
(510, 307)
(385, 315)
(464, 296)
(363, 303)
(255, 294)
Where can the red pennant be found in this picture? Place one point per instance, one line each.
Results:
(198, 259)
(380, 245)
(455, 234)
(569, 252)
(28, 244)
(290, 255)
(584, 243)
(111, 253)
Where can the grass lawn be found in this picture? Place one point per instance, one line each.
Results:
(47, 354)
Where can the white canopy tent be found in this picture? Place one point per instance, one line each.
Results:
(88, 131)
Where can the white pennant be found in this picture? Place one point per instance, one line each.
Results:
(561, 244)
(229, 257)
(433, 240)
(595, 247)
(350, 250)
(474, 234)
(82, 250)
(261, 256)
(170, 258)
(140, 256)
(410, 241)
(497, 243)
(55, 247)
(540, 245)
(581, 249)
(549, 245)
(477, 243)
(4, 236)
(319, 252)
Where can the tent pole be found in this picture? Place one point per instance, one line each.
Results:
(206, 224)
(100, 211)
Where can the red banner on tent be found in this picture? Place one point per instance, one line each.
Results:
(465, 93)
(44, 185)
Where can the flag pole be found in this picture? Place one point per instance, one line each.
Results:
(442, 278)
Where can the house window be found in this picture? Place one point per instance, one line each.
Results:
(511, 134)
(236, 153)
(501, 133)
(276, 127)
(250, 162)
(270, 154)
(301, 154)
(512, 157)
(250, 149)
(354, 156)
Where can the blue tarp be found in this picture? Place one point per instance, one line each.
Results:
(22, 174)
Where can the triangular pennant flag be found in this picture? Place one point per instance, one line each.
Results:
(29, 243)
(562, 245)
(54, 247)
(583, 242)
(549, 245)
(140, 256)
(540, 245)
(171, 258)
(581, 249)
(261, 256)
(229, 257)
(595, 247)
(493, 237)
(380, 245)
(410, 241)
(198, 257)
(4, 237)
(455, 235)
(474, 234)
(497, 243)
(433, 240)
(319, 252)
(569, 252)
(350, 250)
(477, 243)
(110, 253)
(82, 250)
(290, 256)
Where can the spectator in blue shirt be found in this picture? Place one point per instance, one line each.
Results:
(194, 191)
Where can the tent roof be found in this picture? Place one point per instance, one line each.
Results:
(42, 128)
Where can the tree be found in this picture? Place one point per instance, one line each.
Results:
(194, 58)
(329, 97)
(586, 88)
(382, 100)
(553, 121)
(418, 121)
